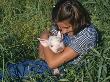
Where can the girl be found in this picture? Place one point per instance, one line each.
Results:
(79, 34)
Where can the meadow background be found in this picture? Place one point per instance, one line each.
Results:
(21, 22)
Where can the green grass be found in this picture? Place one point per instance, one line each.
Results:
(21, 22)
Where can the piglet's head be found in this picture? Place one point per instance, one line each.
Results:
(56, 43)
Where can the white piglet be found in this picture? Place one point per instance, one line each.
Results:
(56, 44)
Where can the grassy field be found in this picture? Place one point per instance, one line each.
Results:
(21, 22)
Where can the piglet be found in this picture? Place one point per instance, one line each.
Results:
(56, 44)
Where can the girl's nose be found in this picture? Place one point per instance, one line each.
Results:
(63, 31)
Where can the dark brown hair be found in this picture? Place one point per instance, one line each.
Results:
(73, 12)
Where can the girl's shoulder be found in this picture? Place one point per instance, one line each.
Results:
(85, 39)
(89, 31)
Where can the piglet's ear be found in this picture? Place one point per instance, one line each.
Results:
(59, 34)
(43, 42)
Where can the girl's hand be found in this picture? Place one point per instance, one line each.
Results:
(45, 35)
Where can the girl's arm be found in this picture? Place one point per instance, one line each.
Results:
(55, 60)
(41, 52)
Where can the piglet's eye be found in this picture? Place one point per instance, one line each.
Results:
(51, 45)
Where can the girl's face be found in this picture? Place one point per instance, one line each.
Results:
(65, 27)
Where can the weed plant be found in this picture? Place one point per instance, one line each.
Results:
(21, 22)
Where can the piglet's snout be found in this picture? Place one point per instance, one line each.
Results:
(61, 48)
